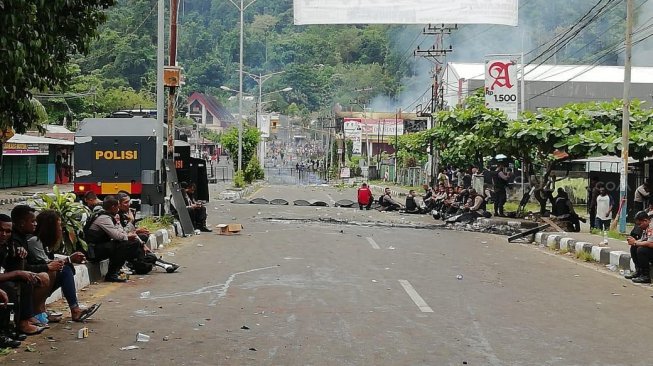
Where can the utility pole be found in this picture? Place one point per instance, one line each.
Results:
(439, 55)
(625, 123)
(160, 88)
(174, 7)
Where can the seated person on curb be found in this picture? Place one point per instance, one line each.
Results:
(411, 205)
(41, 258)
(476, 206)
(107, 239)
(13, 258)
(196, 209)
(365, 198)
(127, 221)
(91, 201)
(564, 210)
(641, 249)
(15, 287)
(388, 203)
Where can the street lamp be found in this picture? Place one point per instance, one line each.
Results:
(242, 7)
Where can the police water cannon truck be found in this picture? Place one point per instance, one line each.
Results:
(112, 153)
(119, 154)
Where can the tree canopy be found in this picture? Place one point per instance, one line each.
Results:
(36, 43)
(467, 134)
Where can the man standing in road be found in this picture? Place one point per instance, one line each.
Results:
(500, 181)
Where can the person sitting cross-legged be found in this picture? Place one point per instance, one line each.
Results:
(388, 203)
(108, 240)
(411, 205)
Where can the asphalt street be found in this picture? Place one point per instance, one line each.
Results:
(290, 290)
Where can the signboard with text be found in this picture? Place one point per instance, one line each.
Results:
(11, 148)
(501, 86)
(377, 127)
(503, 12)
(354, 132)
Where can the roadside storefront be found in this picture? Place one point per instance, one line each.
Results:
(31, 160)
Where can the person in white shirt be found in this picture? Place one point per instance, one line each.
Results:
(603, 210)
(642, 194)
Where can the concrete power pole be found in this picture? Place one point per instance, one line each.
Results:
(625, 124)
(439, 54)
(174, 7)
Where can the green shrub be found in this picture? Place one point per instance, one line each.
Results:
(71, 218)
(239, 179)
(253, 171)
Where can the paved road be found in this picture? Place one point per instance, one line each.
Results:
(321, 294)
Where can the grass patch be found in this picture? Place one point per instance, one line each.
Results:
(564, 250)
(612, 234)
(154, 223)
(514, 205)
(585, 256)
(552, 246)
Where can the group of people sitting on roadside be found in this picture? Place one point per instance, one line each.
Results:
(442, 202)
(32, 272)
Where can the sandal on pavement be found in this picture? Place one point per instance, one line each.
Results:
(88, 312)
(38, 330)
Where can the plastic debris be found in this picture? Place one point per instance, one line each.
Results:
(612, 267)
(459, 277)
(140, 337)
(129, 348)
(244, 327)
(145, 295)
(391, 248)
(252, 349)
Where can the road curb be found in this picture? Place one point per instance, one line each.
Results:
(601, 254)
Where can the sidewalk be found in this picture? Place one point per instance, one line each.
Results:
(21, 194)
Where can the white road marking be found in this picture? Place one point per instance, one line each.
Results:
(418, 300)
(373, 243)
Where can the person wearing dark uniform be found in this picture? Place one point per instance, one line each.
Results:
(564, 209)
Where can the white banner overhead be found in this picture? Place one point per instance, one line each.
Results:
(406, 12)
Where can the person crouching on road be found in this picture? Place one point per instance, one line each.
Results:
(365, 197)
(641, 249)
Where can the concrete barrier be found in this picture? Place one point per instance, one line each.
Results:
(601, 254)
(553, 241)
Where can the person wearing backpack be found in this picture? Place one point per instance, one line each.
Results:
(108, 240)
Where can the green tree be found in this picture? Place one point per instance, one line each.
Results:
(37, 40)
(251, 138)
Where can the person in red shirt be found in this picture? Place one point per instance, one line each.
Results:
(365, 198)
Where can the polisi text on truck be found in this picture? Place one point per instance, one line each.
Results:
(116, 155)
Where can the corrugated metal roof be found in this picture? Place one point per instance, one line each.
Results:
(136, 126)
(562, 73)
(26, 139)
(57, 129)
